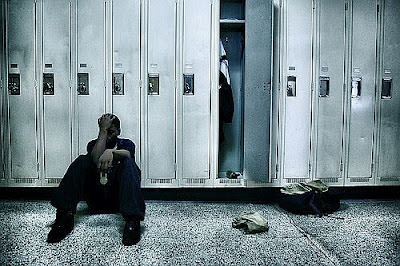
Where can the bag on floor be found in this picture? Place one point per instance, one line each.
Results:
(309, 198)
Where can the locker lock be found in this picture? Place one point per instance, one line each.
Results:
(83, 84)
(48, 84)
(118, 84)
(291, 86)
(188, 84)
(154, 85)
(14, 82)
(355, 87)
(386, 88)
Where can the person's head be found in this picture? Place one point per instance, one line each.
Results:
(114, 131)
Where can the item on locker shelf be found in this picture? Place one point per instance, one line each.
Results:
(226, 105)
(232, 175)
(309, 198)
(251, 222)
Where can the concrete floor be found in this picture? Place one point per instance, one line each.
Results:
(199, 233)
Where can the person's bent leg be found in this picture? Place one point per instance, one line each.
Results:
(72, 187)
(132, 206)
(67, 196)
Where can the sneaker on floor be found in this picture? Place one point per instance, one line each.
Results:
(62, 226)
(131, 234)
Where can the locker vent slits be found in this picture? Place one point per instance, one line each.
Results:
(296, 180)
(390, 179)
(195, 181)
(25, 180)
(330, 180)
(53, 180)
(161, 181)
(359, 179)
(229, 181)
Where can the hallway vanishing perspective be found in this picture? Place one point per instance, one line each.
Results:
(362, 232)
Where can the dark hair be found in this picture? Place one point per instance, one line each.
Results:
(116, 122)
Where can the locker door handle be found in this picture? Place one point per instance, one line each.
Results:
(323, 86)
(48, 84)
(154, 85)
(291, 86)
(14, 84)
(83, 84)
(386, 88)
(188, 84)
(356, 87)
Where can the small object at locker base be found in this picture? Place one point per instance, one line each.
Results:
(103, 178)
(232, 175)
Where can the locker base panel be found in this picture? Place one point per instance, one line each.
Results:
(222, 194)
(199, 233)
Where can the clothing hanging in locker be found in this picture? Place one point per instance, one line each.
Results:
(226, 106)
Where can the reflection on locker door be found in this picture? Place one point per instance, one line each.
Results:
(126, 64)
(91, 68)
(389, 140)
(362, 94)
(297, 94)
(160, 140)
(22, 98)
(56, 90)
(196, 89)
(329, 90)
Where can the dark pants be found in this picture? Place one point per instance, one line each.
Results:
(122, 192)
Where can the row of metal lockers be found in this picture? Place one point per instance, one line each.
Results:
(314, 87)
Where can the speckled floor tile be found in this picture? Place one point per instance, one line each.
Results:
(198, 233)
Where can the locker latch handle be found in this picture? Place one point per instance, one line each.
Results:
(356, 87)
(188, 84)
(291, 86)
(386, 88)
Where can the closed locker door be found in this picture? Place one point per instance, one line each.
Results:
(56, 87)
(160, 146)
(22, 112)
(91, 69)
(389, 141)
(297, 88)
(126, 68)
(196, 89)
(329, 89)
(362, 86)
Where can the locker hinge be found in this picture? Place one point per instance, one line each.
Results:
(346, 6)
(341, 167)
(312, 86)
(309, 167)
(344, 87)
(176, 84)
(140, 83)
(277, 167)
(313, 4)
(175, 167)
(37, 167)
(372, 167)
(105, 83)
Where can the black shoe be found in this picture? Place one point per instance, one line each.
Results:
(131, 233)
(62, 226)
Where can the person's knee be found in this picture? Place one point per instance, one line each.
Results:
(127, 161)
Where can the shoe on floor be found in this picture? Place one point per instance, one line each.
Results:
(131, 234)
(62, 226)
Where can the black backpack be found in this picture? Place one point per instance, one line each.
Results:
(313, 200)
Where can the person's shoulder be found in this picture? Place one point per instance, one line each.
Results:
(123, 141)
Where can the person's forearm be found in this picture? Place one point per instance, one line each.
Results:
(99, 146)
(121, 154)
